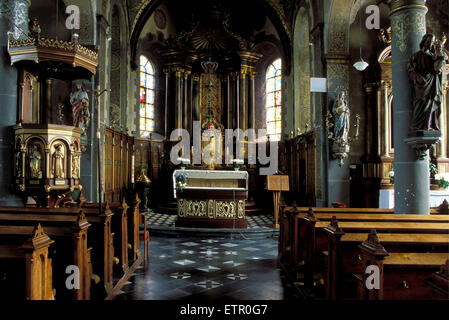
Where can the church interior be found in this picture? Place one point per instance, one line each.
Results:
(209, 149)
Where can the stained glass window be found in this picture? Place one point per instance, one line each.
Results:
(147, 90)
(274, 100)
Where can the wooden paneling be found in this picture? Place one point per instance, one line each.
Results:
(300, 159)
(118, 152)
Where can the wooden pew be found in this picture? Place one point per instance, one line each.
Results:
(439, 282)
(128, 211)
(70, 233)
(133, 226)
(31, 256)
(119, 227)
(402, 275)
(343, 256)
(293, 243)
(100, 237)
(295, 247)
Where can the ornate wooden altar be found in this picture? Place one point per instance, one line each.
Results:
(212, 199)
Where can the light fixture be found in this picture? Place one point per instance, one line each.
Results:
(361, 65)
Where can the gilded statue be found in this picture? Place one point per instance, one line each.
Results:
(342, 117)
(35, 163)
(80, 108)
(425, 70)
(58, 162)
(76, 165)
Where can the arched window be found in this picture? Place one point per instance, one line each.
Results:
(274, 100)
(147, 86)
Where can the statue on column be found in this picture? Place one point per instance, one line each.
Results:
(80, 108)
(425, 70)
(58, 162)
(35, 163)
(342, 117)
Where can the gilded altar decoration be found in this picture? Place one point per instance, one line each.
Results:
(338, 125)
(80, 108)
(425, 69)
(35, 163)
(58, 162)
(211, 209)
(212, 198)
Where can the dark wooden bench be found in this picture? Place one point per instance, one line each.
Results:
(298, 230)
(100, 238)
(119, 227)
(343, 256)
(403, 276)
(70, 235)
(26, 267)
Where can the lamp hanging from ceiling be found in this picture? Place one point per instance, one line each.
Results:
(361, 65)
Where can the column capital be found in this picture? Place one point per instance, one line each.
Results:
(385, 84)
(399, 5)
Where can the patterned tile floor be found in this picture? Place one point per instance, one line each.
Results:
(209, 269)
(264, 221)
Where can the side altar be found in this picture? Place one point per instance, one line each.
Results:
(211, 198)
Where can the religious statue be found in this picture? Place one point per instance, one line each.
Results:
(58, 162)
(342, 115)
(80, 108)
(35, 163)
(76, 165)
(425, 70)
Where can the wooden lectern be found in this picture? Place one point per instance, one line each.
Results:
(277, 184)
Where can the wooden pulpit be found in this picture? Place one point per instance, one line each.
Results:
(277, 183)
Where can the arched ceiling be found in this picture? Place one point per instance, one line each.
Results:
(242, 21)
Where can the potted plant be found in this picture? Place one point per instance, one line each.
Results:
(442, 180)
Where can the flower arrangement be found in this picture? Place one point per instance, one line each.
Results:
(181, 181)
(442, 180)
(237, 164)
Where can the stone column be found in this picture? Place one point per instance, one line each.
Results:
(252, 95)
(385, 85)
(338, 176)
(243, 102)
(186, 102)
(178, 103)
(442, 148)
(408, 22)
(17, 12)
(167, 75)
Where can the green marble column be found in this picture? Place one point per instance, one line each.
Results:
(408, 22)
